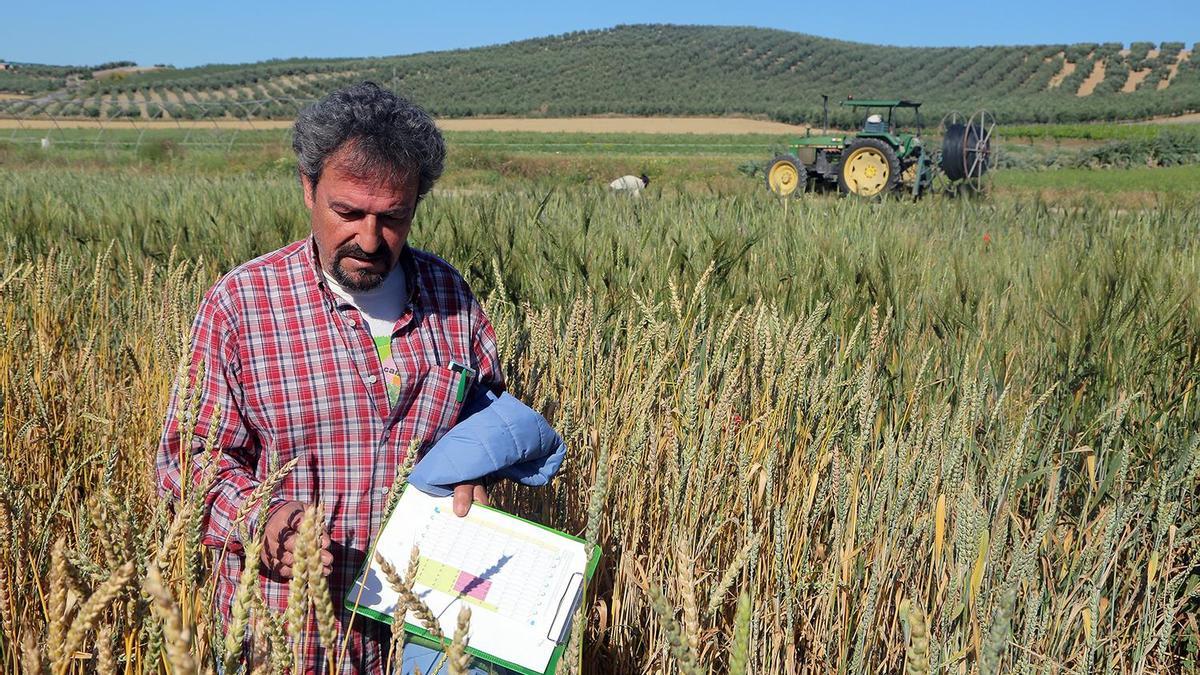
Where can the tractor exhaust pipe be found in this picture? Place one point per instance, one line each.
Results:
(825, 106)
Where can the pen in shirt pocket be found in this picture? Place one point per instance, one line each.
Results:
(466, 376)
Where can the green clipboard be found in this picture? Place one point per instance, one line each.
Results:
(418, 633)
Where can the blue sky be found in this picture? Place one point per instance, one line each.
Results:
(218, 31)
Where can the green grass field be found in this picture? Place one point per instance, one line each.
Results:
(705, 164)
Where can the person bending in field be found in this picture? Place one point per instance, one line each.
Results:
(333, 351)
(630, 184)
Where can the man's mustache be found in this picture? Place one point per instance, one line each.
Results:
(355, 251)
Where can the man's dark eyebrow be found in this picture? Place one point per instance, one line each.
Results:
(342, 206)
(394, 212)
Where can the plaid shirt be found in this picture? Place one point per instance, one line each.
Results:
(296, 374)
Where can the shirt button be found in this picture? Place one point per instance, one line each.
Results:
(371, 379)
(382, 490)
(352, 323)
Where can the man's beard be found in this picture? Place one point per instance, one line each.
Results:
(362, 280)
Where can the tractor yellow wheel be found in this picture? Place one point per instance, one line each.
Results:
(866, 172)
(786, 176)
(870, 168)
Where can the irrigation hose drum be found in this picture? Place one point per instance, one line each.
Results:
(963, 155)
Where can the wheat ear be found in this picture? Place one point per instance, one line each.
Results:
(106, 661)
(739, 651)
(178, 637)
(717, 597)
(687, 591)
(318, 587)
(410, 600)
(235, 632)
(163, 558)
(678, 645)
(7, 620)
(89, 613)
(32, 662)
(56, 605)
(456, 655)
(297, 607)
(918, 642)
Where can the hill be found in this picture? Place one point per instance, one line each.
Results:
(662, 70)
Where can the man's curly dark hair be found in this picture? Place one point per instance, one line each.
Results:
(377, 135)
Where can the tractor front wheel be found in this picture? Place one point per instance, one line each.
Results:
(869, 168)
(786, 176)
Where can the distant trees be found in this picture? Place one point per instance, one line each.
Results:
(678, 70)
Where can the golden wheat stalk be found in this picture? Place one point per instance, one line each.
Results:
(243, 602)
(56, 605)
(8, 622)
(917, 650)
(318, 587)
(178, 636)
(296, 614)
(32, 661)
(717, 597)
(685, 658)
(106, 661)
(457, 657)
(166, 548)
(687, 590)
(410, 600)
(89, 613)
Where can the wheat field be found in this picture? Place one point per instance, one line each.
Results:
(944, 437)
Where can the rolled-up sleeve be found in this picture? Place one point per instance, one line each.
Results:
(212, 390)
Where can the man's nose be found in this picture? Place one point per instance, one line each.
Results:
(369, 234)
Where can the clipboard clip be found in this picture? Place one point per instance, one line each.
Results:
(565, 631)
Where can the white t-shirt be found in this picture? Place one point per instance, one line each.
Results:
(627, 183)
(381, 307)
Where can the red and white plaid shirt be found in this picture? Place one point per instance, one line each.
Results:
(296, 374)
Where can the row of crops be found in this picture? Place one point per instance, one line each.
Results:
(674, 70)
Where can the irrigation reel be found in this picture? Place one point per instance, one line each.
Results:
(967, 154)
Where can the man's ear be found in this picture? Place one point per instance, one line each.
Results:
(308, 189)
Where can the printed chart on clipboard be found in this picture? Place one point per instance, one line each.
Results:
(522, 581)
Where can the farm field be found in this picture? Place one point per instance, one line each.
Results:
(950, 436)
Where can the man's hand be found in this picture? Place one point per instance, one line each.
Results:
(467, 493)
(279, 540)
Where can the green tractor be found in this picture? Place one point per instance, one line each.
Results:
(877, 160)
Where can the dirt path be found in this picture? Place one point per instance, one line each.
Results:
(1093, 80)
(1190, 118)
(152, 125)
(1136, 77)
(1173, 69)
(1067, 69)
(624, 125)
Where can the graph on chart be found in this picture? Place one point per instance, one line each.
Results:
(489, 567)
(521, 581)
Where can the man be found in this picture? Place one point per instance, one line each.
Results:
(336, 350)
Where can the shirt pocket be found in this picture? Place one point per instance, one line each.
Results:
(436, 407)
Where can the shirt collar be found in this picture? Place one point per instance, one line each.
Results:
(407, 262)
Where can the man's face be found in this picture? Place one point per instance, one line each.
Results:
(360, 225)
